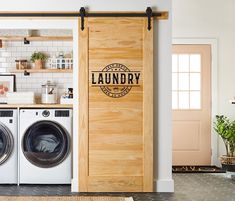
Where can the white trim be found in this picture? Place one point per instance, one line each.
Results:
(214, 86)
(57, 24)
(18, 147)
(165, 185)
(74, 185)
(75, 182)
(129, 199)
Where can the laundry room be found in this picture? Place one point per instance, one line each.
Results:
(76, 93)
(36, 102)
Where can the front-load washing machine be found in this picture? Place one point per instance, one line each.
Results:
(45, 146)
(8, 146)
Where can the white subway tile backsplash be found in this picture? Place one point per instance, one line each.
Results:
(16, 43)
(13, 50)
(5, 65)
(52, 49)
(47, 44)
(21, 49)
(67, 43)
(6, 54)
(2, 59)
(31, 49)
(57, 43)
(2, 70)
(40, 49)
(57, 75)
(36, 43)
(16, 54)
(36, 75)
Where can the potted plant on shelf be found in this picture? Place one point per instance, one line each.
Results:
(226, 130)
(38, 58)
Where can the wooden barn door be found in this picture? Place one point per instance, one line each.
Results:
(116, 105)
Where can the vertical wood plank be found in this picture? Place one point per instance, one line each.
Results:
(105, 159)
(148, 107)
(83, 108)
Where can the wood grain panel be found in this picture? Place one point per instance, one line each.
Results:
(83, 109)
(115, 184)
(101, 161)
(136, 64)
(118, 151)
(115, 22)
(118, 40)
(121, 121)
(122, 53)
(120, 141)
(133, 101)
(148, 108)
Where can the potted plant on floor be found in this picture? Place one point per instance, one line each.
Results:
(38, 58)
(226, 130)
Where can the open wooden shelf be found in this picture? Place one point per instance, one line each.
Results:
(43, 71)
(36, 38)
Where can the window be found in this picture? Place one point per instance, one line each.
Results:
(186, 81)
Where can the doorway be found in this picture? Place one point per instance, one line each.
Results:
(191, 104)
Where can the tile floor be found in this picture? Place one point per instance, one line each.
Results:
(188, 187)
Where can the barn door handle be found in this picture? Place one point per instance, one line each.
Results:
(149, 14)
(82, 14)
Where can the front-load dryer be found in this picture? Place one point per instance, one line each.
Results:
(45, 146)
(8, 146)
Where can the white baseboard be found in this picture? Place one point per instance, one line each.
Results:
(129, 199)
(74, 186)
(162, 185)
(165, 185)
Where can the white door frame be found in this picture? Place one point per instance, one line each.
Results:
(214, 85)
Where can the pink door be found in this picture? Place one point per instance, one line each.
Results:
(191, 104)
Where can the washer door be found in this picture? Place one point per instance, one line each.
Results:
(6, 143)
(46, 144)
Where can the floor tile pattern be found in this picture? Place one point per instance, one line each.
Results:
(188, 187)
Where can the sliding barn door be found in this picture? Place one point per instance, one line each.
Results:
(115, 105)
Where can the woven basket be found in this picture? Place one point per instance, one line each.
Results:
(227, 160)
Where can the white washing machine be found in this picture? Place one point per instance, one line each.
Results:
(45, 146)
(8, 146)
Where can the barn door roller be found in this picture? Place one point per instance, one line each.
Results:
(82, 14)
(149, 14)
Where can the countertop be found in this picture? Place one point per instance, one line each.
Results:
(2, 106)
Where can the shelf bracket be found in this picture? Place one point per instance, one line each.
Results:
(26, 42)
(82, 14)
(149, 14)
(26, 73)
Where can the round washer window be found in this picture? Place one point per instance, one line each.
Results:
(46, 144)
(6, 144)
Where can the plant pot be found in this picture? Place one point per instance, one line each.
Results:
(228, 168)
(38, 64)
(228, 163)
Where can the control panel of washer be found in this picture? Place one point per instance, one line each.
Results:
(46, 113)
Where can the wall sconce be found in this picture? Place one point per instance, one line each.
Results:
(0, 43)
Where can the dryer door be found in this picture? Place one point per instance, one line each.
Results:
(46, 144)
(6, 143)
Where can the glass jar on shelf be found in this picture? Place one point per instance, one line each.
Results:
(49, 93)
